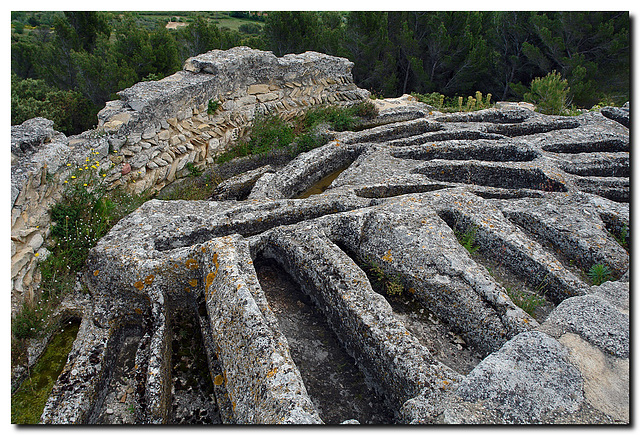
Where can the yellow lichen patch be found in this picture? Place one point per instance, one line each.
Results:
(193, 282)
(138, 311)
(218, 380)
(411, 290)
(149, 279)
(191, 264)
(209, 280)
(139, 285)
(272, 372)
(96, 272)
(388, 256)
(187, 289)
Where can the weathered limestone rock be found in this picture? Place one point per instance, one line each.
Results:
(528, 379)
(539, 200)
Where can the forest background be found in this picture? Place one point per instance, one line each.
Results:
(66, 65)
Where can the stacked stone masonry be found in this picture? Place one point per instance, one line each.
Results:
(545, 197)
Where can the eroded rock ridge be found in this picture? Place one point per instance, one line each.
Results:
(541, 199)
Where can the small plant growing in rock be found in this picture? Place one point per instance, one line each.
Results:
(529, 302)
(193, 170)
(468, 239)
(623, 237)
(471, 104)
(213, 107)
(392, 285)
(479, 100)
(599, 273)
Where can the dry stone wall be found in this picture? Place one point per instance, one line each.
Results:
(147, 138)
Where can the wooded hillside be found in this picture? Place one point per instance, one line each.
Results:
(66, 65)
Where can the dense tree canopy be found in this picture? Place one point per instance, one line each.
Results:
(89, 56)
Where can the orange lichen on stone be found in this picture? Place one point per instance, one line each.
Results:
(139, 285)
(193, 282)
(138, 311)
(387, 256)
(218, 380)
(210, 277)
(191, 264)
(272, 372)
(149, 279)
(96, 272)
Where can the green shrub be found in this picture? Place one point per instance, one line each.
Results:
(549, 94)
(29, 321)
(308, 141)
(599, 273)
(269, 132)
(339, 118)
(434, 99)
(193, 170)
(85, 214)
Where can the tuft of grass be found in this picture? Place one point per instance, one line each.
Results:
(529, 302)
(599, 273)
(623, 237)
(29, 321)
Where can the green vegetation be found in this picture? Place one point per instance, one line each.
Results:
(29, 399)
(392, 285)
(198, 186)
(599, 273)
(270, 132)
(89, 56)
(529, 302)
(468, 239)
(623, 237)
(85, 214)
(213, 107)
(549, 94)
(454, 104)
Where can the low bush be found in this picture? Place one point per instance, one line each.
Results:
(550, 94)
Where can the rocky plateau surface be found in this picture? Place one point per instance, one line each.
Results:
(372, 280)
(545, 198)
